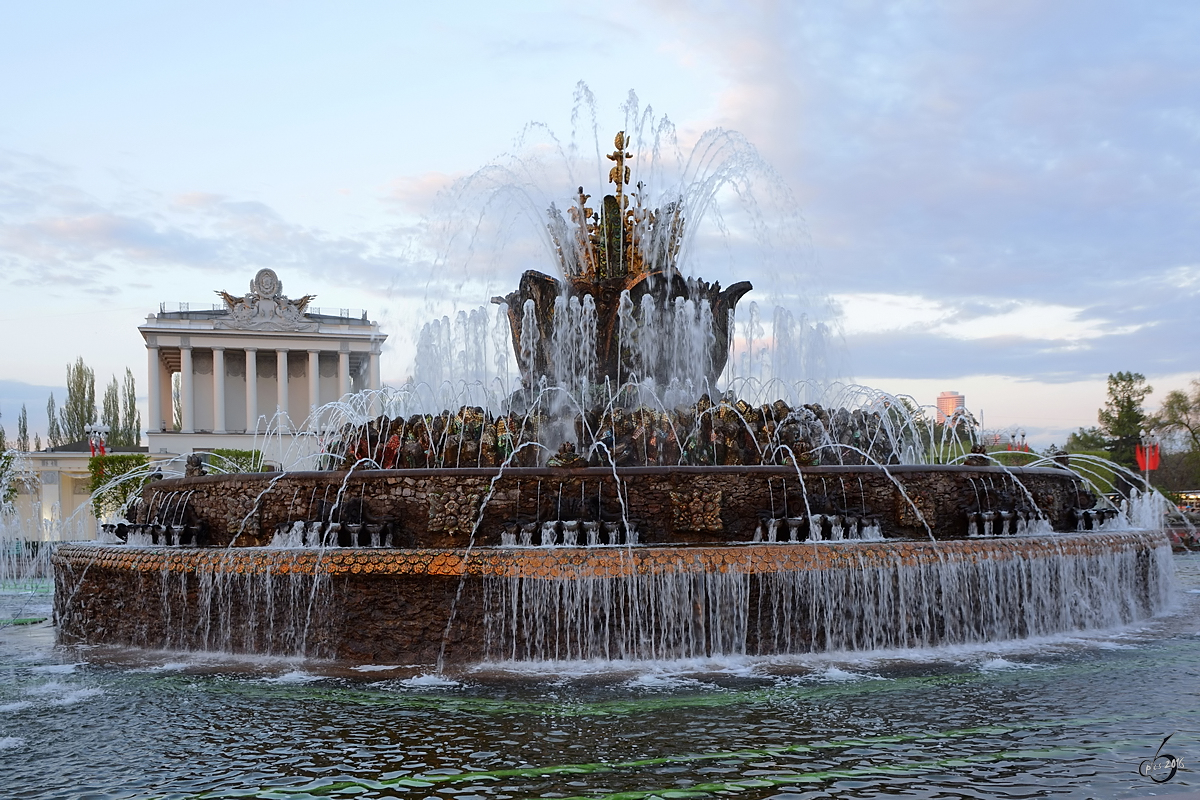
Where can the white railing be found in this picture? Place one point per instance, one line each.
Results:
(343, 313)
(183, 308)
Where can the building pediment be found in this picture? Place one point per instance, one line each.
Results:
(265, 307)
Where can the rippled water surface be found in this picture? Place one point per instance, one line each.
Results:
(1067, 717)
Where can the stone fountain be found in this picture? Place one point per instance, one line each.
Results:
(580, 522)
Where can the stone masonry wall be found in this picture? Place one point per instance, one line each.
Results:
(440, 508)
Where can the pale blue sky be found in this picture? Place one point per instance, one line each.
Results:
(1001, 197)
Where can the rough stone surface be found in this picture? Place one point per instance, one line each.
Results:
(441, 507)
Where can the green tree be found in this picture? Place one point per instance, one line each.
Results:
(229, 460)
(1086, 440)
(8, 487)
(1122, 419)
(1180, 414)
(112, 487)
(119, 412)
(110, 412)
(23, 430)
(131, 418)
(8, 484)
(37, 442)
(54, 437)
(79, 409)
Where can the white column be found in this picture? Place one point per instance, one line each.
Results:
(375, 382)
(343, 373)
(251, 390)
(218, 389)
(314, 387)
(281, 382)
(185, 389)
(166, 397)
(154, 385)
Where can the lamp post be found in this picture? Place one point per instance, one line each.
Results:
(1148, 455)
(97, 437)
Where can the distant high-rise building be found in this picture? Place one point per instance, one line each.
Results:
(948, 403)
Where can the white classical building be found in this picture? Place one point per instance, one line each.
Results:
(252, 364)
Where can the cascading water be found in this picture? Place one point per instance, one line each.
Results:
(646, 617)
(222, 610)
(881, 603)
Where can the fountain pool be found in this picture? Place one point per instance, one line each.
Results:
(1070, 715)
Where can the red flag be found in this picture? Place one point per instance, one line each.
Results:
(1147, 457)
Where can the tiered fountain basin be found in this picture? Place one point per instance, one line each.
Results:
(665, 505)
(454, 587)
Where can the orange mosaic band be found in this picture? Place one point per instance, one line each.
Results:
(570, 563)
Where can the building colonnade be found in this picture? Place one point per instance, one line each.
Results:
(244, 389)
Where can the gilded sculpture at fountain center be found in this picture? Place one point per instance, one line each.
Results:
(619, 254)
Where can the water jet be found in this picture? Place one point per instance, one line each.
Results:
(587, 517)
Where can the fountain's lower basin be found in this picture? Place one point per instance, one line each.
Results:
(395, 605)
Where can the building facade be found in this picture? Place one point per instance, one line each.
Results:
(948, 403)
(53, 492)
(249, 368)
(253, 364)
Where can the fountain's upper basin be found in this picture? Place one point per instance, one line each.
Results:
(451, 508)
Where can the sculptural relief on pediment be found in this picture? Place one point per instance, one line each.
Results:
(266, 307)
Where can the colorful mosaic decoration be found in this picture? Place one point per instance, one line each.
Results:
(697, 510)
(570, 563)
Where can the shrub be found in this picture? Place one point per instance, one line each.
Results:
(110, 494)
(225, 459)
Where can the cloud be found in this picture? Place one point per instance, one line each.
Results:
(872, 313)
(415, 194)
(1015, 183)
(51, 231)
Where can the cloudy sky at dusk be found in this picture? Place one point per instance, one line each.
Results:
(999, 198)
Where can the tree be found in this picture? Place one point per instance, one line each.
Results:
(131, 418)
(1086, 440)
(1180, 414)
(37, 442)
(1122, 418)
(54, 437)
(79, 409)
(1179, 471)
(230, 460)
(23, 430)
(112, 486)
(8, 486)
(110, 413)
(120, 414)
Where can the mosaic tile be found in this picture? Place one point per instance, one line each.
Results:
(572, 563)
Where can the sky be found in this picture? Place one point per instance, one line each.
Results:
(995, 198)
